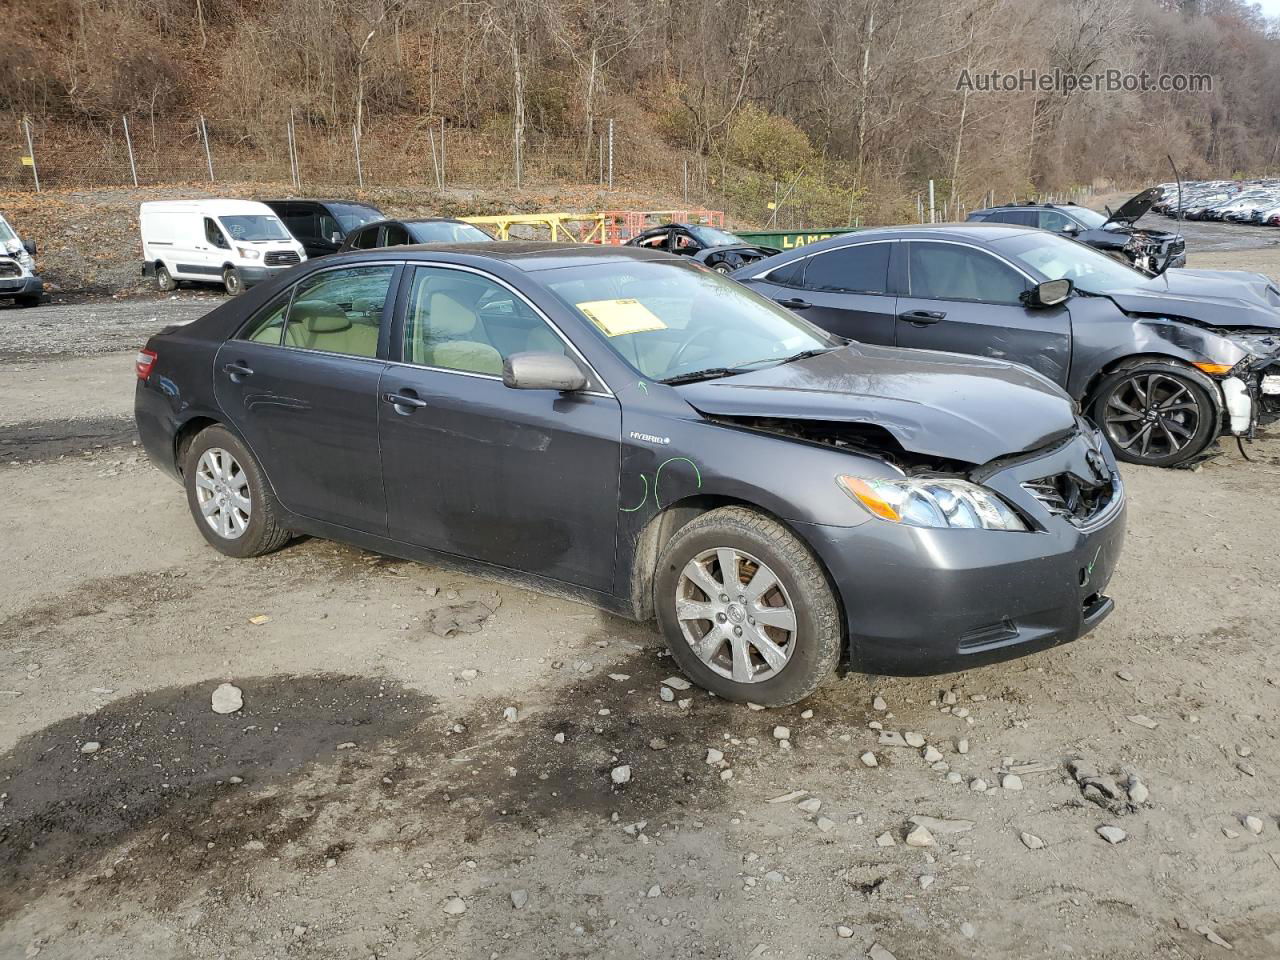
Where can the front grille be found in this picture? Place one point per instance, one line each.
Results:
(10, 268)
(1066, 495)
(281, 258)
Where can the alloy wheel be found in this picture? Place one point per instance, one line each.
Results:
(735, 615)
(222, 492)
(1152, 415)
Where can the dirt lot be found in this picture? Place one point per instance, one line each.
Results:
(370, 799)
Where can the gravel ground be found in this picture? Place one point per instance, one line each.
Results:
(372, 798)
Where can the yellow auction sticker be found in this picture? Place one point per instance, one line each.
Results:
(620, 317)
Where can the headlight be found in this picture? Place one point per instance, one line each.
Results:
(13, 247)
(248, 254)
(932, 503)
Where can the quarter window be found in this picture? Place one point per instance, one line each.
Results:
(461, 321)
(340, 311)
(269, 325)
(948, 271)
(860, 268)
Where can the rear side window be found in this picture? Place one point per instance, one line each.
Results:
(948, 271)
(860, 268)
(340, 311)
(397, 236)
(366, 239)
(789, 274)
(268, 325)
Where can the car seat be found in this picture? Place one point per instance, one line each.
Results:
(444, 334)
(320, 325)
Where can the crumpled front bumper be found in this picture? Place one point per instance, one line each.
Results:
(24, 286)
(926, 601)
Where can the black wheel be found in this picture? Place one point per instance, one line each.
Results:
(746, 609)
(164, 279)
(1155, 414)
(229, 496)
(231, 280)
(722, 267)
(27, 301)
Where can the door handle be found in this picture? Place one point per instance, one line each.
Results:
(237, 371)
(795, 303)
(922, 318)
(404, 403)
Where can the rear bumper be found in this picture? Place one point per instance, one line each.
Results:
(153, 413)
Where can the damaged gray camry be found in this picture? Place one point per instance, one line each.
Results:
(646, 435)
(1163, 364)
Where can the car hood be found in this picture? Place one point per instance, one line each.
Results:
(934, 404)
(1133, 209)
(1218, 298)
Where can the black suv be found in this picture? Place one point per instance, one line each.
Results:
(1153, 251)
(321, 225)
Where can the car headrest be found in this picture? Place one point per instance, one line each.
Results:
(319, 316)
(449, 317)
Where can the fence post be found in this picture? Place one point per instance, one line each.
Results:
(293, 152)
(208, 155)
(31, 152)
(611, 154)
(932, 211)
(355, 138)
(441, 152)
(128, 142)
(600, 157)
(686, 181)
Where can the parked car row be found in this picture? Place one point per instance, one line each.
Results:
(240, 243)
(1239, 201)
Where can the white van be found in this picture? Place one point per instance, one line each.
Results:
(234, 242)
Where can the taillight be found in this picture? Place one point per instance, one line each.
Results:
(143, 364)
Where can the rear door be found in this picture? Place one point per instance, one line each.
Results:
(963, 299)
(525, 479)
(300, 384)
(844, 290)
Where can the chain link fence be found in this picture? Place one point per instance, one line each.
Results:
(58, 153)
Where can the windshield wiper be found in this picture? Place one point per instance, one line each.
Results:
(710, 373)
(804, 355)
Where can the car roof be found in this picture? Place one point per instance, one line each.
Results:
(526, 255)
(213, 206)
(350, 203)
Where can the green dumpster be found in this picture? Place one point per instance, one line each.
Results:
(789, 239)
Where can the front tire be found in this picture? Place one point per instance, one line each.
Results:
(1155, 414)
(164, 279)
(232, 281)
(229, 497)
(27, 301)
(746, 608)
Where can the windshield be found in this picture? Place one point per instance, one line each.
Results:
(352, 215)
(1061, 259)
(672, 319)
(6, 233)
(711, 237)
(445, 232)
(1092, 219)
(254, 227)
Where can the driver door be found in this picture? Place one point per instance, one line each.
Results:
(962, 299)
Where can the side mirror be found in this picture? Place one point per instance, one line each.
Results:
(1051, 293)
(542, 371)
(1071, 229)
(30, 247)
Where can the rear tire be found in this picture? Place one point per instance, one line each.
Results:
(164, 279)
(232, 281)
(229, 496)
(1155, 414)
(732, 651)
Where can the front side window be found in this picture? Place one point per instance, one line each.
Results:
(339, 311)
(457, 320)
(1055, 221)
(861, 268)
(670, 319)
(329, 229)
(213, 235)
(254, 227)
(949, 271)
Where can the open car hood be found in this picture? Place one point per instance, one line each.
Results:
(1217, 298)
(934, 404)
(1133, 209)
